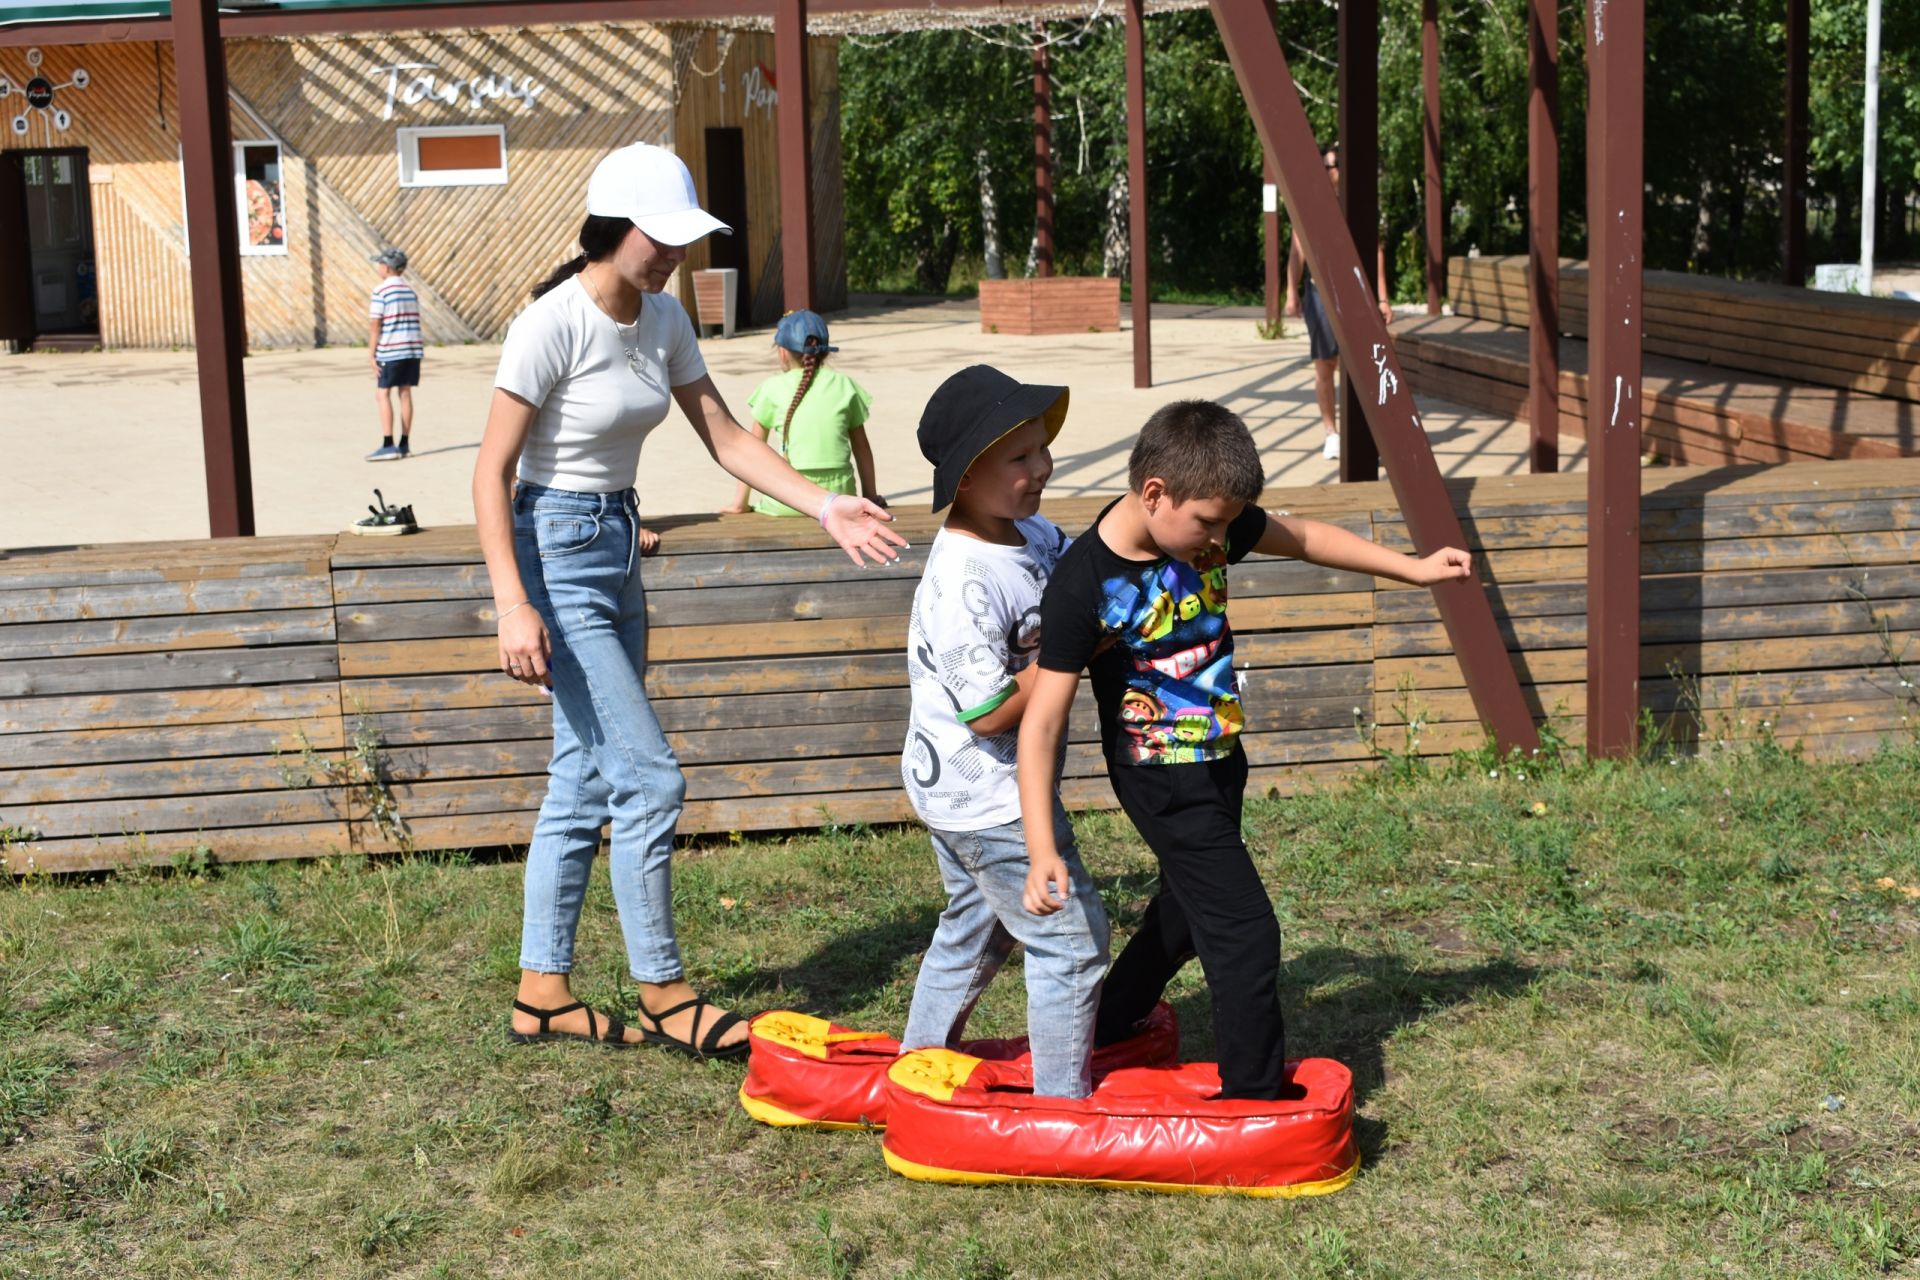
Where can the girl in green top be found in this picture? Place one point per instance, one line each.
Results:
(814, 416)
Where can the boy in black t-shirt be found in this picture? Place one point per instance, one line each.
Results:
(1141, 601)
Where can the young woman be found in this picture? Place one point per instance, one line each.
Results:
(586, 372)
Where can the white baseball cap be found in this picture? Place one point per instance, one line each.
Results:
(650, 186)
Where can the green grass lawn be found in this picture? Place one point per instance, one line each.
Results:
(1639, 1021)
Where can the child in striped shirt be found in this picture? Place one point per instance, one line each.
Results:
(395, 349)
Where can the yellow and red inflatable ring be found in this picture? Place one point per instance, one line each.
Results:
(953, 1117)
(808, 1071)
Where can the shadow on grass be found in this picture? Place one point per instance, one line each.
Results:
(850, 969)
(1367, 999)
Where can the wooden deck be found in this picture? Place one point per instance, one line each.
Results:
(276, 697)
(1690, 413)
(1734, 371)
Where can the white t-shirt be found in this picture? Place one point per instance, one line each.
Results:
(975, 624)
(569, 358)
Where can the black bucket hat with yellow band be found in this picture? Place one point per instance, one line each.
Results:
(971, 410)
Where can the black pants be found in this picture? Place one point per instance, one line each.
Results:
(1211, 904)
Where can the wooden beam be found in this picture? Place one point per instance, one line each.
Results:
(1042, 153)
(1137, 192)
(1436, 192)
(1359, 114)
(213, 240)
(1793, 174)
(795, 130)
(1367, 350)
(1616, 54)
(1543, 235)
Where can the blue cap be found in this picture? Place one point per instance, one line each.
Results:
(802, 332)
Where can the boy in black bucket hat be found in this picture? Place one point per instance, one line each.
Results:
(970, 663)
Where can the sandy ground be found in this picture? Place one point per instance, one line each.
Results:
(106, 447)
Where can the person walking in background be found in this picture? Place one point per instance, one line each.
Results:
(815, 417)
(1303, 302)
(395, 350)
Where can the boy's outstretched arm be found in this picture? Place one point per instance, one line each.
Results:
(1325, 544)
(1042, 729)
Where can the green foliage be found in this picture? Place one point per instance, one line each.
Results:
(921, 112)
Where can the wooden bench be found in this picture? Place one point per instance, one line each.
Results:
(286, 697)
(1734, 371)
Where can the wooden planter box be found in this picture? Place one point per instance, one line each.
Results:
(1054, 304)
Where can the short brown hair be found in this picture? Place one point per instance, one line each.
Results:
(1199, 449)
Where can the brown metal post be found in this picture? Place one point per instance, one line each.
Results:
(1359, 114)
(1270, 218)
(1137, 191)
(1616, 36)
(213, 239)
(1436, 192)
(1366, 349)
(795, 133)
(1793, 177)
(1042, 153)
(1543, 235)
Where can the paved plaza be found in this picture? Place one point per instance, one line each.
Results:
(105, 447)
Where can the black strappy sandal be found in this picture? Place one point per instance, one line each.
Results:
(615, 1037)
(708, 1046)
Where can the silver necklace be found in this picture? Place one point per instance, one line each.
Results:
(633, 353)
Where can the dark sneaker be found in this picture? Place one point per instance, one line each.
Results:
(401, 448)
(385, 520)
(387, 453)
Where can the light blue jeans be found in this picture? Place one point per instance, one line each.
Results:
(611, 762)
(985, 873)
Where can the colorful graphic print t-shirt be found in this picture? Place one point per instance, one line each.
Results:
(975, 625)
(1165, 688)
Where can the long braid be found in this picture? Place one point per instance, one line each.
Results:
(810, 361)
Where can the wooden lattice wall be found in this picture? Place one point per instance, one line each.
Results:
(475, 250)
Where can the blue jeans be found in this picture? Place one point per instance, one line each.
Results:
(611, 762)
(985, 873)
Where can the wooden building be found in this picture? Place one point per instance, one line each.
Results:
(468, 149)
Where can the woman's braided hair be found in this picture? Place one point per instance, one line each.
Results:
(810, 361)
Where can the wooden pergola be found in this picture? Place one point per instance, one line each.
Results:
(1339, 236)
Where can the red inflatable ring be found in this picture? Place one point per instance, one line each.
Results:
(957, 1118)
(805, 1070)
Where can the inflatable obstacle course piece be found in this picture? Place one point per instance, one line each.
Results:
(953, 1117)
(807, 1071)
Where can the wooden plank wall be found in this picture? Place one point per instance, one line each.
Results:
(153, 700)
(1053, 304)
(601, 86)
(714, 72)
(128, 121)
(159, 697)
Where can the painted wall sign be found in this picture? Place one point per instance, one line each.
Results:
(758, 88)
(410, 83)
(40, 92)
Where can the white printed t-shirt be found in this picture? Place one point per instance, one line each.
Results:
(975, 625)
(569, 359)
